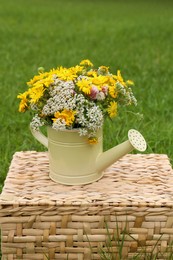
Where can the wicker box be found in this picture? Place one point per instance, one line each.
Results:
(41, 219)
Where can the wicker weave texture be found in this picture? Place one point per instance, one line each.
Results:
(41, 219)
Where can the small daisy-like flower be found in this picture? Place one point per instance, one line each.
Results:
(84, 86)
(86, 63)
(36, 93)
(83, 131)
(112, 109)
(66, 74)
(24, 101)
(112, 91)
(92, 140)
(103, 70)
(67, 115)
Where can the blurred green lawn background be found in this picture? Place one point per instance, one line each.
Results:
(133, 36)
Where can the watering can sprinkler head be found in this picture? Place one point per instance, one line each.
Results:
(137, 140)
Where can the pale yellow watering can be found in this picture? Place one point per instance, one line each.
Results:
(73, 161)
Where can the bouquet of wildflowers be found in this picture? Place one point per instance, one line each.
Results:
(76, 97)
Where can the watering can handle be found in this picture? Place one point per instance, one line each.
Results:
(39, 136)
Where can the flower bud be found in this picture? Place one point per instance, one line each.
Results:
(40, 70)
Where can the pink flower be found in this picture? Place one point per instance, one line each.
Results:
(94, 92)
(105, 90)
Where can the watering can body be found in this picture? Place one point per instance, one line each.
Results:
(73, 161)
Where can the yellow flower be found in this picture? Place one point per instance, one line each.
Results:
(84, 86)
(37, 78)
(32, 81)
(76, 70)
(36, 93)
(119, 78)
(99, 80)
(45, 79)
(130, 82)
(23, 103)
(111, 80)
(66, 74)
(112, 109)
(92, 140)
(112, 91)
(67, 115)
(92, 73)
(87, 63)
(104, 69)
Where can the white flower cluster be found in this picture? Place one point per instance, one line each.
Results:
(89, 117)
(36, 122)
(126, 97)
(59, 124)
(62, 97)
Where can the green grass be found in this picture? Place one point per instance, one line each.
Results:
(118, 240)
(134, 36)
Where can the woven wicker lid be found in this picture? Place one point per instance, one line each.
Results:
(136, 179)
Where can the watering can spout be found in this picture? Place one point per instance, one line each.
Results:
(135, 141)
